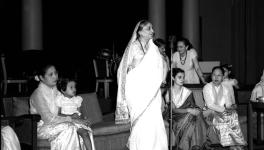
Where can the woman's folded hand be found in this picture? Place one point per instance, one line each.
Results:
(193, 111)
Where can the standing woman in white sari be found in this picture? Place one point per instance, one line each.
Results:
(140, 75)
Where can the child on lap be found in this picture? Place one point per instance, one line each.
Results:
(69, 105)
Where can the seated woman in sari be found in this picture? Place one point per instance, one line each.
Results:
(220, 112)
(62, 132)
(188, 124)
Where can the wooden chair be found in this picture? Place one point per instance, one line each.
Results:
(257, 107)
(9, 80)
(102, 74)
(25, 125)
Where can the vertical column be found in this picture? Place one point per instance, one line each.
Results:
(157, 17)
(190, 22)
(32, 25)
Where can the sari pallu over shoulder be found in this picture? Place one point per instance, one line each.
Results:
(143, 99)
(189, 130)
(121, 113)
(143, 82)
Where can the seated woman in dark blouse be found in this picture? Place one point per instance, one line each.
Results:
(188, 124)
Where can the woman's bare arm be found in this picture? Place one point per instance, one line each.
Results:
(198, 70)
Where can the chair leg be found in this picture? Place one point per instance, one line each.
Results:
(2, 86)
(5, 88)
(96, 86)
(26, 88)
(19, 87)
(106, 89)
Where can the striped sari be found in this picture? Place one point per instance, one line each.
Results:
(189, 130)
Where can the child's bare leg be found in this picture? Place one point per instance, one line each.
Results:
(86, 139)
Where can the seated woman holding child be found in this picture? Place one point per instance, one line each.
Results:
(188, 124)
(62, 131)
(220, 113)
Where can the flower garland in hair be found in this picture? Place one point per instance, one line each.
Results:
(36, 77)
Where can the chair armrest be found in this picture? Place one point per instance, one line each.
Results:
(34, 117)
(17, 121)
(12, 120)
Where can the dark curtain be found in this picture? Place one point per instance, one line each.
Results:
(247, 53)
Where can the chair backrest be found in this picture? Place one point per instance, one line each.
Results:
(207, 66)
(3, 67)
(198, 96)
(90, 107)
(2, 105)
(101, 68)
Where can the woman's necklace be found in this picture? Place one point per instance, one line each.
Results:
(183, 59)
(142, 47)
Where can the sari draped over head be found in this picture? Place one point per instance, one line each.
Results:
(121, 113)
(225, 124)
(139, 98)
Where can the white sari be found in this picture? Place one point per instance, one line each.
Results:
(140, 101)
(9, 140)
(60, 131)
